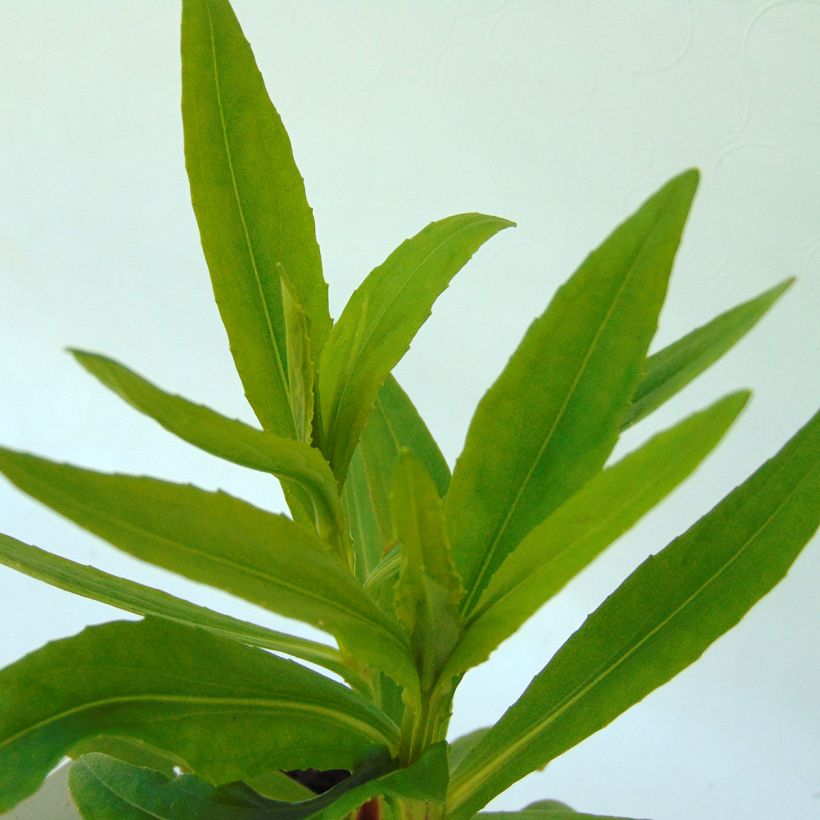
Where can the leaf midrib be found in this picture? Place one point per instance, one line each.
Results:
(608, 666)
(246, 704)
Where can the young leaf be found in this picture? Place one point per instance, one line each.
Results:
(578, 531)
(393, 424)
(552, 417)
(249, 201)
(142, 600)
(223, 710)
(219, 540)
(669, 370)
(300, 360)
(112, 789)
(656, 623)
(294, 462)
(380, 320)
(428, 590)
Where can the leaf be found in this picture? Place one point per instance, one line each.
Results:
(428, 590)
(669, 370)
(113, 789)
(461, 745)
(142, 600)
(393, 424)
(300, 361)
(250, 204)
(295, 462)
(380, 320)
(552, 417)
(222, 709)
(577, 532)
(219, 540)
(656, 623)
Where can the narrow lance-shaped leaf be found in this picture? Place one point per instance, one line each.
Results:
(428, 590)
(578, 531)
(380, 320)
(249, 200)
(551, 419)
(300, 359)
(656, 623)
(111, 790)
(219, 540)
(393, 424)
(223, 710)
(143, 600)
(669, 370)
(294, 462)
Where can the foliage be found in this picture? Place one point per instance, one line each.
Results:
(417, 576)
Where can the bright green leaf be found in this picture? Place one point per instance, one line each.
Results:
(380, 320)
(142, 600)
(552, 417)
(219, 540)
(428, 591)
(656, 623)
(578, 531)
(223, 710)
(669, 370)
(393, 424)
(295, 462)
(250, 203)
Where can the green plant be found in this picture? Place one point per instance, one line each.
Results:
(416, 574)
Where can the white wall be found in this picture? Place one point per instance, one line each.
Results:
(561, 115)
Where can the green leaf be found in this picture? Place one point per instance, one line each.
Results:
(300, 360)
(461, 745)
(380, 320)
(250, 204)
(222, 709)
(219, 540)
(552, 417)
(111, 789)
(669, 370)
(142, 600)
(656, 623)
(393, 424)
(428, 590)
(294, 462)
(578, 531)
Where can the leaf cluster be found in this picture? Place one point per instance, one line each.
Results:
(414, 574)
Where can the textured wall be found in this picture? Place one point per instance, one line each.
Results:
(561, 115)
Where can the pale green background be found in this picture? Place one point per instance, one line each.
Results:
(560, 115)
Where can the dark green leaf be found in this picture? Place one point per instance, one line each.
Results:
(578, 531)
(380, 320)
(111, 789)
(295, 462)
(551, 419)
(224, 710)
(219, 540)
(249, 200)
(656, 623)
(669, 370)
(550, 810)
(393, 424)
(143, 600)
